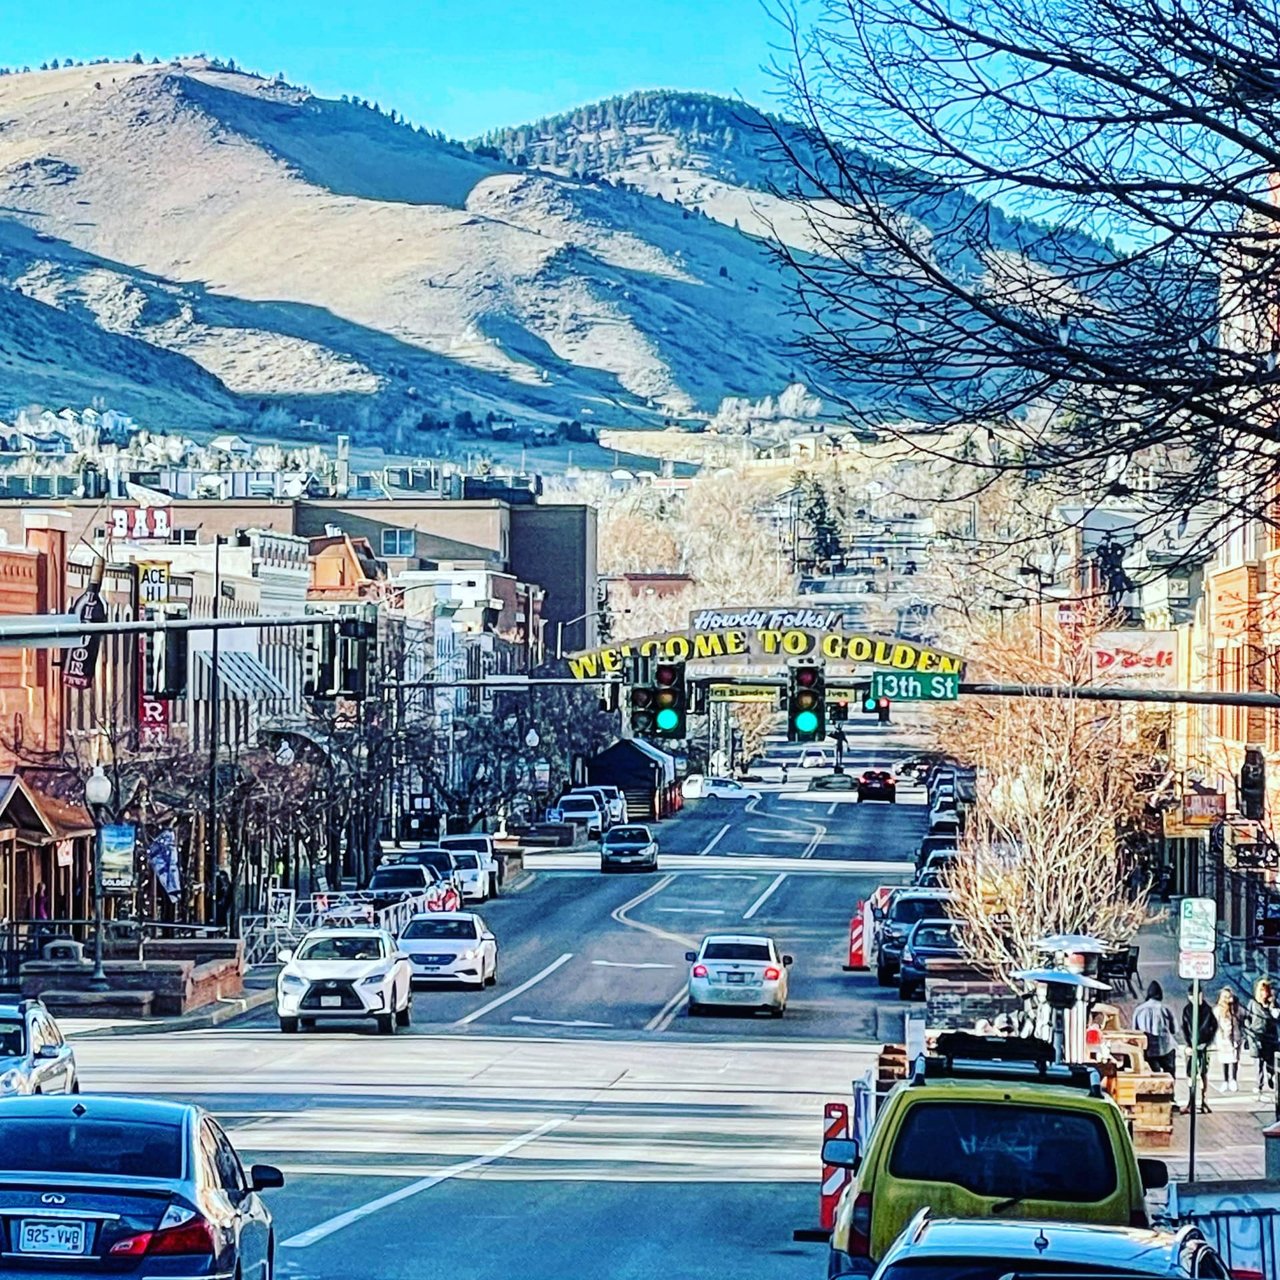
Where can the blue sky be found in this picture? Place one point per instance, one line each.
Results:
(458, 65)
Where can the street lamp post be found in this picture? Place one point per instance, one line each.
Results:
(560, 626)
(97, 794)
(1042, 580)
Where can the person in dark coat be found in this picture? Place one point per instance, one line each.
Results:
(1198, 1052)
(1263, 1032)
(1155, 1020)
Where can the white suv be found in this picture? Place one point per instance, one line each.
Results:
(583, 810)
(610, 801)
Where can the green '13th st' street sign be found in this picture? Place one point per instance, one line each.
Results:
(907, 686)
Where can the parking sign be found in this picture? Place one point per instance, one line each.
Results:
(1198, 924)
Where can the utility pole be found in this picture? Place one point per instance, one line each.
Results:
(211, 871)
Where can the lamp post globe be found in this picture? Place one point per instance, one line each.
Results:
(532, 739)
(97, 794)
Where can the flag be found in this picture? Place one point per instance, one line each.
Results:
(162, 857)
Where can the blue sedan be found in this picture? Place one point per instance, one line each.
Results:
(94, 1185)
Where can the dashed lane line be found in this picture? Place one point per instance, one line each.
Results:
(765, 896)
(715, 840)
(515, 991)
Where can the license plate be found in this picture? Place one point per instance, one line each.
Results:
(331, 1002)
(735, 977)
(429, 968)
(52, 1237)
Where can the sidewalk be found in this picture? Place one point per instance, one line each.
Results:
(1229, 1143)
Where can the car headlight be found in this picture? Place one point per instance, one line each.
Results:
(12, 1082)
(292, 982)
(373, 980)
(470, 953)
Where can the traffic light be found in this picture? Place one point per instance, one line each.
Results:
(357, 652)
(1253, 785)
(164, 657)
(839, 710)
(320, 662)
(642, 701)
(670, 700)
(806, 703)
(609, 696)
(882, 710)
(862, 696)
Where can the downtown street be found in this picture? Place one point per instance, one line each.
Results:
(575, 1107)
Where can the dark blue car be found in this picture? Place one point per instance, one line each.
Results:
(94, 1186)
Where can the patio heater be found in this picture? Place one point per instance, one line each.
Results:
(97, 794)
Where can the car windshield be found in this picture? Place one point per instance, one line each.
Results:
(13, 1038)
(936, 935)
(437, 861)
(736, 951)
(350, 946)
(131, 1149)
(628, 835)
(1007, 1152)
(440, 929)
(397, 878)
(479, 844)
(909, 910)
(834, 782)
(467, 861)
(571, 804)
(969, 1268)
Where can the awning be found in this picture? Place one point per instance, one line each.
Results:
(240, 676)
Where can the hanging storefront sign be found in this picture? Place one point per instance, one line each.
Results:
(153, 582)
(1133, 658)
(118, 843)
(141, 524)
(1203, 808)
(80, 662)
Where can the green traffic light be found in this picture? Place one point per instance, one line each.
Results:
(667, 719)
(806, 722)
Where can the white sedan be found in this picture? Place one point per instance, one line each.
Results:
(740, 971)
(699, 786)
(453, 946)
(345, 974)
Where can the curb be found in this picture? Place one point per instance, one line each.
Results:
(199, 1020)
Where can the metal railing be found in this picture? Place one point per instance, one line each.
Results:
(268, 933)
(1245, 1238)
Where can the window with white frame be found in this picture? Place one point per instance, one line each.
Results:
(397, 542)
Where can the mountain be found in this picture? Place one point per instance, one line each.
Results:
(325, 259)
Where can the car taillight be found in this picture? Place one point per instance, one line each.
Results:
(180, 1232)
(771, 974)
(908, 956)
(699, 970)
(860, 1226)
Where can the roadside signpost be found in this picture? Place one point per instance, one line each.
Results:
(1197, 961)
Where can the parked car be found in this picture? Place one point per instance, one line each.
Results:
(877, 784)
(581, 810)
(452, 946)
(832, 782)
(345, 974)
(489, 863)
(104, 1185)
(389, 885)
(629, 848)
(904, 909)
(934, 842)
(946, 824)
(699, 786)
(986, 1249)
(610, 799)
(933, 949)
(34, 1056)
(740, 971)
(434, 857)
(998, 1139)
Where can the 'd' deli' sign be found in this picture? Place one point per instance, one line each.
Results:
(770, 645)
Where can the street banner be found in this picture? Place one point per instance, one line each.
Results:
(1135, 658)
(118, 844)
(162, 857)
(80, 663)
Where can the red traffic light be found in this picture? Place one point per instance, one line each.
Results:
(882, 703)
(641, 697)
(667, 674)
(806, 676)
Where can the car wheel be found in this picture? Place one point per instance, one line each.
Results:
(492, 979)
(386, 1024)
(308, 1024)
(906, 991)
(289, 1026)
(777, 1011)
(884, 975)
(75, 1085)
(695, 1009)
(405, 1016)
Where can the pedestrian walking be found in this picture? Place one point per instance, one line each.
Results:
(1264, 1033)
(1206, 1030)
(1229, 1042)
(1155, 1020)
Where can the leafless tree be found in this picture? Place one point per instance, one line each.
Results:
(1049, 229)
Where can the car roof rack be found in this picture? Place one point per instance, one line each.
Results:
(963, 1055)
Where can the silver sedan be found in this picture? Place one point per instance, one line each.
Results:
(738, 971)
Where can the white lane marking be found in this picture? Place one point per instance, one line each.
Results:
(515, 991)
(715, 840)
(663, 1018)
(697, 911)
(624, 964)
(558, 1022)
(620, 913)
(324, 1229)
(765, 896)
(831, 808)
(579, 865)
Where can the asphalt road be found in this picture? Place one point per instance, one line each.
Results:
(573, 1121)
